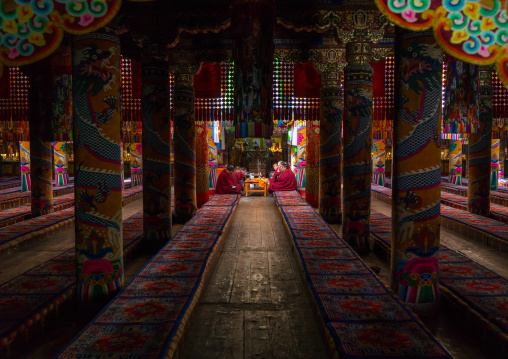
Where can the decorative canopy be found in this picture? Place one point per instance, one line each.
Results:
(32, 30)
(475, 31)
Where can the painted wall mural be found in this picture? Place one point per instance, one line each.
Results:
(301, 154)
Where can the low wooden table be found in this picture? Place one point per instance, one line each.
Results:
(261, 182)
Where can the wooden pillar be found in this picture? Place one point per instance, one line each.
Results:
(416, 184)
(312, 163)
(156, 148)
(455, 152)
(98, 193)
(494, 165)
(330, 147)
(41, 149)
(357, 162)
(202, 177)
(379, 162)
(185, 148)
(478, 184)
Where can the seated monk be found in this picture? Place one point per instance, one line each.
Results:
(286, 181)
(226, 183)
(238, 175)
(276, 168)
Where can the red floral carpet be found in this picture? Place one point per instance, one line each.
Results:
(31, 296)
(363, 318)
(483, 290)
(147, 319)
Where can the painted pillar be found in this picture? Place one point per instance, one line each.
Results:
(98, 189)
(41, 149)
(416, 184)
(478, 184)
(312, 163)
(136, 151)
(156, 149)
(455, 160)
(24, 165)
(61, 161)
(212, 160)
(357, 161)
(494, 164)
(502, 150)
(185, 148)
(301, 154)
(122, 176)
(379, 162)
(202, 177)
(253, 26)
(330, 147)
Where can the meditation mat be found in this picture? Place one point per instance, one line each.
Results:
(29, 297)
(483, 290)
(289, 198)
(149, 315)
(222, 200)
(355, 305)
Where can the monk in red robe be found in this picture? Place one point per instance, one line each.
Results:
(276, 174)
(226, 183)
(238, 175)
(286, 181)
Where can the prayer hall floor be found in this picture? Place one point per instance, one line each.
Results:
(256, 304)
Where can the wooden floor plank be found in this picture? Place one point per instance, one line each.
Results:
(257, 340)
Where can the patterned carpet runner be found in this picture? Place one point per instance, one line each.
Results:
(481, 291)
(147, 318)
(362, 316)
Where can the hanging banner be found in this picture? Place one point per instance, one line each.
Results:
(136, 163)
(24, 162)
(61, 161)
(379, 160)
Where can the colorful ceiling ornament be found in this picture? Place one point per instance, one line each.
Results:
(32, 30)
(475, 31)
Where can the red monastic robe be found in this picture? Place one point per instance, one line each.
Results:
(285, 182)
(225, 183)
(275, 176)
